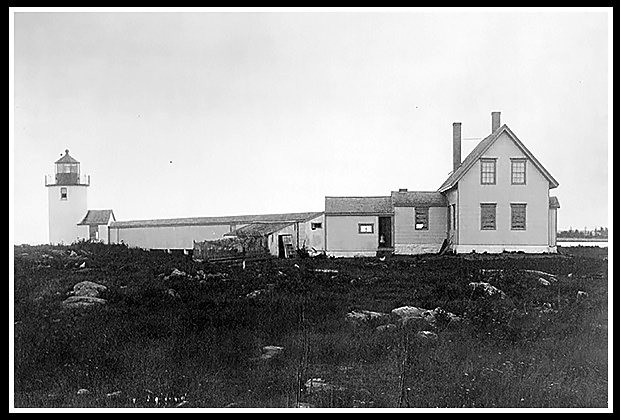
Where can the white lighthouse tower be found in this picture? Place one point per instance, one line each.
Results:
(67, 201)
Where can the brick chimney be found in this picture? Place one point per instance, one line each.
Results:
(495, 121)
(456, 145)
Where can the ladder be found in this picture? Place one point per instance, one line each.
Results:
(289, 250)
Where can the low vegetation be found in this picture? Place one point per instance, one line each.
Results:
(174, 332)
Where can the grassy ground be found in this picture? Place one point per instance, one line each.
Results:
(541, 346)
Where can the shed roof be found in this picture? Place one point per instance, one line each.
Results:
(217, 220)
(258, 229)
(481, 148)
(358, 205)
(97, 217)
(66, 158)
(418, 198)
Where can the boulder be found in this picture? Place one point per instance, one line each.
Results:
(408, 312)
(361, 316)
(487, 289)
(427, 335)
(82, 301)
(319, 384)
(88, 289)
(269, 352)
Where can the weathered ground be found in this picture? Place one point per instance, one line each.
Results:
(170, 332)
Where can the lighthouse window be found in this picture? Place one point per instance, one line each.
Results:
(63, 193)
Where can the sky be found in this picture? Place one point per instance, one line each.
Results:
(211, 113)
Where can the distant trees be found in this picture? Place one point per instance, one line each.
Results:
(597, 232)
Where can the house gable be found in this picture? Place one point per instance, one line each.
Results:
(481, 149)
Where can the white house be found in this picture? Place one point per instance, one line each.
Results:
(498, 197)
(495, 200)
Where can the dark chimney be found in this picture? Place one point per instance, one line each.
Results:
(495, 121)
(456, 145)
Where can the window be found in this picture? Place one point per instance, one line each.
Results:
(487, 171)
(316, 225)
(487, 216)
(517, 216)
(517, 171)
(421, 218)
(63, 193)
(366, 228)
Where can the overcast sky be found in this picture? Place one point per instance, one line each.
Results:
(210, 114)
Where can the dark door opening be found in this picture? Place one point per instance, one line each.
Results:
(285, 246)
(385, 232)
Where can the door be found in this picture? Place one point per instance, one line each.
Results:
(385, 232)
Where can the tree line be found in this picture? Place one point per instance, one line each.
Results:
(597, 232)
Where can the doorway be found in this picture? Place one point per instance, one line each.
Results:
(285, 246)
(385, 232)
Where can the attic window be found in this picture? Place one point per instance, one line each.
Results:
(63, 193)
(487, 171)
(366, 228)
(421, 218)
(316, 225)
(517, 171)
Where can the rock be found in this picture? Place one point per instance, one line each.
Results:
(319, 384)
(173, 293)
(407, 312)
(305, 405)
(83, 391)
(427, 335)
(182, 404)
(487, 289)
(544, 282)
(361, 316)
(387, 327)
(177, 273)
(269, 352)
(87, 289)
(548, 276)
(439, 313)
(82, 301)
(113, 394)
(581, 294)
(216, 275)
(325, 270)
(255, 293)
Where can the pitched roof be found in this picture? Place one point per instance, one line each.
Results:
(218, 220)
(258, 229)
(66, 158)
(358, 205)
(554, 203)
(418, 198)
(481, 148)
(97, 217)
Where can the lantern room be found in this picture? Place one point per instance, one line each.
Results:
(68, 171)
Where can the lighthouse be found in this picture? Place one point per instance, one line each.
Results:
(67, 201)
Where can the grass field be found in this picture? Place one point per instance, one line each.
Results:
(194, 339)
